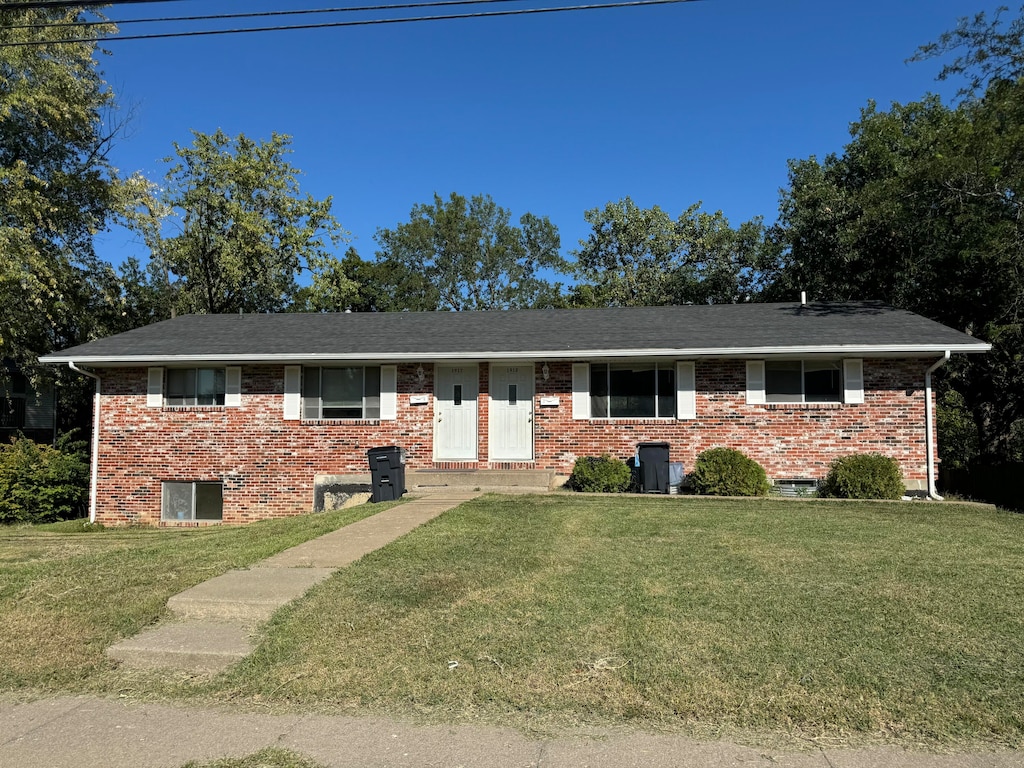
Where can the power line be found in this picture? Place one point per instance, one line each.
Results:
(39, 5)
(359, 23)
(253, 15)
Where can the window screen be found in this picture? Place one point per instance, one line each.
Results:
(195, 386)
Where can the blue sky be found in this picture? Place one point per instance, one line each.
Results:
(552, 113)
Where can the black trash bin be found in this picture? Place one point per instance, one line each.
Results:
(387, 472)
(653, 467)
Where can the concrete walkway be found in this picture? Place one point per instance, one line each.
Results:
(89, 732)
(214, 621)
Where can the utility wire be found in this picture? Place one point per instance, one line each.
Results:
(360, 23)
(253, 15)
(38, 5)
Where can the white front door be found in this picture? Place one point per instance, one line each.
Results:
(455, 392)
(511, 412)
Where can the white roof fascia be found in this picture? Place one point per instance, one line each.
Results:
(550, 354)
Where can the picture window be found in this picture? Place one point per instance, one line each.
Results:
(351, 392)
(632, 391)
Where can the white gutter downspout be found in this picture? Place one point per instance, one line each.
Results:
(928, 419)
(94, 469)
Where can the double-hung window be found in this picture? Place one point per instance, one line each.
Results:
(195, 386)
(632, 391)
(805, 381)
(351, 392)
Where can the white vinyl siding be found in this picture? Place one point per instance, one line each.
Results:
(292, 392)
(581, 390)
(686, 390)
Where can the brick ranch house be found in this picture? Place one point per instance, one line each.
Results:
(230, 417)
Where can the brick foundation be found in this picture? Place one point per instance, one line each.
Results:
(267, 464)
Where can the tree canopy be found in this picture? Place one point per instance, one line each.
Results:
(642, 256)
(464, 253)
(58, 188)
(244, 232)
(922, 209)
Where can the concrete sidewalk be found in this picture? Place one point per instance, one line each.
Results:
(213, 622)
(89, 732)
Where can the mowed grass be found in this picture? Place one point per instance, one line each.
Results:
(67, 592)
(828, 620)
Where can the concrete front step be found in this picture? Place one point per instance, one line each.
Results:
(193, 646)
(497, 480)
(248, 596)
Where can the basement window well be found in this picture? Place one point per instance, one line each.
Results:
(192, 501)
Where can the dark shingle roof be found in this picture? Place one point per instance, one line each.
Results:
(725, 329)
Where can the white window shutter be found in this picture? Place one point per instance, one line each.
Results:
(292, 392)
(389, 392)
(233, 386)
(155, 388)
(581, 390)
(686, 390)
(755, 382)
(853, 381)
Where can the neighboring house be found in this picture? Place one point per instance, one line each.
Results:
(25, 409)
(230, 417)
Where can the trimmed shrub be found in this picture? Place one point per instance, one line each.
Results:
(728, 472)
(863, 476)
(600, 474)
(40, 483)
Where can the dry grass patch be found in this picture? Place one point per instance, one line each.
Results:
(68, 591)
(900, 621)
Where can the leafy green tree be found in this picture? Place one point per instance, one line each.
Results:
(243, 232)
(643, 257)
(464, 254)
(58, 189)
(350, 283)
(922, 210)
(989, 48)
(57, 186)
(40, 483)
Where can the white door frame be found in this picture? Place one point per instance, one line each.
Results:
(463, 417)
(501, 417)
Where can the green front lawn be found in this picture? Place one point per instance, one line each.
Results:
(67, 592)
(811, 619)
(815, 619)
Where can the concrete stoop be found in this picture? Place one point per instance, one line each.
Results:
(483, 480)
(212, 623)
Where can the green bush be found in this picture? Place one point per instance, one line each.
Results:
(41, 483)
(728, 472)
(599, 474)
(863, 476)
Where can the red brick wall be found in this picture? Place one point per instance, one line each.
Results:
(787, 440)
(268, 464)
